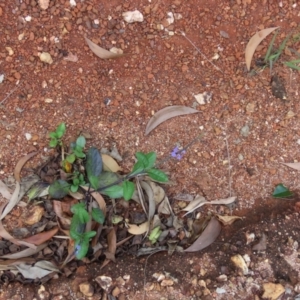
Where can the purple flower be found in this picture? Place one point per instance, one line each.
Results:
(177, 153)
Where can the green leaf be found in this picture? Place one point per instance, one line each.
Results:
(80, 211)
(89, 234)
(81, 141)
(292, 65)
(71, 158)
(98, 215)
(95, 182)
(93, 162)
(281, 192)
(128, 189)
(58, 189)
(78, 153)
(157, 175)
(269, 51)
(137, 168)
(114, 192)
(81, 178)
(107, 178)
(53, 135)
(60, 130)
(151, 156)
(76, 228)
(53, 143)
(81, 249)
(74, 188)
(141, 157)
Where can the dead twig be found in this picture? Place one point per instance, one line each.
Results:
(10, 93)
(184, 35)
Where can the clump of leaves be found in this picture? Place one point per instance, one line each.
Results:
(57, 135)
(89, 177)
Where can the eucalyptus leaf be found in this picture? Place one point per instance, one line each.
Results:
(59, 189)
(93, 162)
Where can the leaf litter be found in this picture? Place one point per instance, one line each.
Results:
(159, 231)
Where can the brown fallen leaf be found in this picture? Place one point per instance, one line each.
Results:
(42, 237)
(4, 190)
(228, 220)
(98, 197)
(13, 201)
(112, 247)
(209, 235)
(295, 166)
(138, 229)
(21, 163)
(168, 113)
(24, 253)
(101, 52)
(109, 164)
(255, 40)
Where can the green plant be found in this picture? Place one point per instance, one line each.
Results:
(57, 135)
(89, 177)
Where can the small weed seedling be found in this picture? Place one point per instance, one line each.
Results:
(85, 171)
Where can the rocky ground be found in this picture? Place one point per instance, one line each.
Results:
(247, 131)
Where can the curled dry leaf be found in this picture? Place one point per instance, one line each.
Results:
(21, 163)
(101, 52)
(168, 113)
(44, 4)
(209, 235)
(109, 164)
(158, 192)
(112, 247)
(254, 42)
(198, 202)
(150, 195)
(32, 272)
(295, 166)
(228, 220)
(138, 229)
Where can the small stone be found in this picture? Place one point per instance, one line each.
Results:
(48, 100)
(167, 282)
(33, 215)
(28, 136)
(86, 289)
(250, 108)
(104, 281)
(116, 292)
(245, 131)
(17, 75)
(272, 291)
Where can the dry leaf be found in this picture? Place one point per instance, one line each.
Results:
(168, 113)
(71, 57)
(101, 52)
(254, 42)
(209, 235)
(24, 253)
(4, 191)
(138, 229)
(227, 220)
(32, 272)
(98, 197)
(21, 163)
(151, 206)
(12, 202)
(42, 237)
(295, 166)
(109, 164)
(112, 247)
(158, 192)
(44, 4)
(262, 244)
(192, 206)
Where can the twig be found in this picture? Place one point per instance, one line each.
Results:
(229, 165)
(184, 35)
(8, 95)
